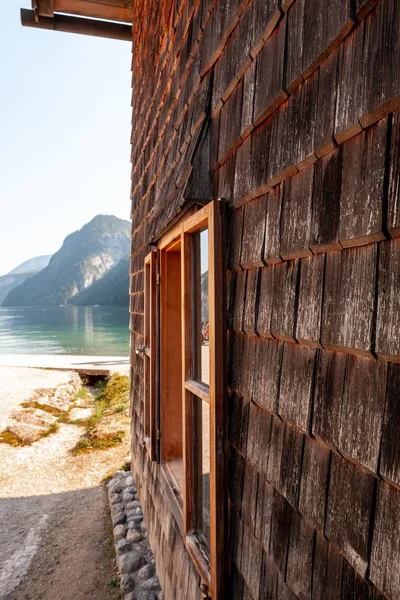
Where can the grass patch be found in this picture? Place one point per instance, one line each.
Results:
(10, 438)
(45, 407)
(87, 444)
(53, 428)
(120, 408)
(116, 390)
(83, 393)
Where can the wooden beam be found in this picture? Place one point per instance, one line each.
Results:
(116, 31)
(111, 11)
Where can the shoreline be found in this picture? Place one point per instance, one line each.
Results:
(82, 364)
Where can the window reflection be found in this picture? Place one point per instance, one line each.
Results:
(201, 307)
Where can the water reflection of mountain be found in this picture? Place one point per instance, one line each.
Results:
(204, 297)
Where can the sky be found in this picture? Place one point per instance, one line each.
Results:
(64, 134)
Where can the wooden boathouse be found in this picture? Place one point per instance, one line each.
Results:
(265, 290)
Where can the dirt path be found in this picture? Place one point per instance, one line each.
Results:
(55, 532)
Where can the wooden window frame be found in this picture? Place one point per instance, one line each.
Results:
(212, 567)
(150, 354)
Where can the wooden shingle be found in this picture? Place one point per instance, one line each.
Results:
(349, 299)
(309, 308)
(387, 338)
(281, 522)
(390, 459)
(253, 233)
(296, 215)
(266, 380)
(300, 557)
(327, 570)
(272, 246)
(284, 297)
(296, 385)
(393, 223)
(329, 386)
(251, 302)
(350, 502)
(314, 482)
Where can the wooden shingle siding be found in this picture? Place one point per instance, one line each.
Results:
(287, 109)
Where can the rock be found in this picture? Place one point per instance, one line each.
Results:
(146, 572)
(127, 584)
(144, 595)
(119, 518)
(115, 499)
(129, 480)
(30, 424)
(131, 490)
(135, 520)
(130, 562)
(127, 498)
(133, 504)
(134, 512)
(150, 584)
(122, 546)
(116, 508)
(119, 532)
(109, 427)
(133, 536)
(80, 414)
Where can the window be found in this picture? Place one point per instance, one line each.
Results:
(149, 354)
(192, 383)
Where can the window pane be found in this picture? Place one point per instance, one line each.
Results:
(202, 464)
(200, 307)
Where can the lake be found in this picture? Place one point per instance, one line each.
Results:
(86, 330)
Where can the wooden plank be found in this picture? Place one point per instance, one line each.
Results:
(300, 557)
(238, 415)
(68, 24)
(253, 233)
(390, 458)
(327, 91)
(362, 411)
(198, 389)
(327, 571)
(385, 557)
(283, 306)
(113, 11)
(249, 498)
(363, 7)
(266, 380)
(251, 302)
(393, 218)
(387, 338)
(290, 468)
(265, 303)
(272, 245)
(314, 483)
(363, 174)
(275, 451)
(259, 437)
(349, 299)
(247, 117)
(262, 529)
(296, 385)
(350, 502)
(240, 295)
(327, 191)
(260, 151)
(250, 566)
(296, 215)
(235, 229)
(46, 8)
(309, 309)
(281, 521)
(269, 91)
(329, 386)
(242, 186)
(230, 123)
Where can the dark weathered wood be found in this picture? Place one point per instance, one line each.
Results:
(385, 556)
(363, 173)
(236, 471)
(274, 455)
(295, 44)
(390, 459)
(362, 411)
(387, 326)
(260, 152)
(314, 483)
(327, 90)
(266, 380)
(97, 28)
(272, 226)
(243, 172)
(265, 303)
(296, 215)
(393, 217)
(298, 131)
(235, 228)
(239, 301)
(247, 118)
(251, 561)
(300, 557)
(327, 571)
(327, 191)
(262, 528)
(309, 308)
(290, 471)
(349, 299)
(259, 438)
(296, 385)
(249, 498)
(250, 307)
(283, 307)
(269, 92)
(281, 521)
(363, 7)
(350, 98)
(329, 385)
(253, 233)
(230, 124)
(350, 502)
(382, 55)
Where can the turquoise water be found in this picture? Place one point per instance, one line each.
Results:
(65, 330)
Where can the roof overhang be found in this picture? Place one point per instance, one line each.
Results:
(102, 18)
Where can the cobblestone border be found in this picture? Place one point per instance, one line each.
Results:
(135, 559)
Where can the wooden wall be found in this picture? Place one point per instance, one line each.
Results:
(289, 109)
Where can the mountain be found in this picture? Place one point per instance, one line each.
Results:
(111, 290)
(85, 256)
(18, 275)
